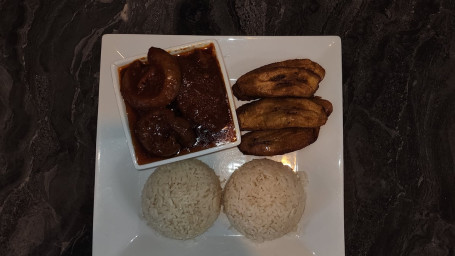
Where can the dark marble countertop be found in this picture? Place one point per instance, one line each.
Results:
(398, 100)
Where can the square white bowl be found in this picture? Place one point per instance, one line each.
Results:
(124, 117)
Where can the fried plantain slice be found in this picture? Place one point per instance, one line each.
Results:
(300, 63)
(326, 105)
(277, 142)
(277, 113)
(290, 78)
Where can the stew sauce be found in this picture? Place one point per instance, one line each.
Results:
(201, 100)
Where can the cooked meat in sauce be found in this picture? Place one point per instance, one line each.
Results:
(153, 85)
(163, 134)
(201, 99)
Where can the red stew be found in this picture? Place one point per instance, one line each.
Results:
(200, 105)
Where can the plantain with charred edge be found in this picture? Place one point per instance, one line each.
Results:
(277, 142)
(325, 104)
(290, 78)
(299, 63)
(277, 113)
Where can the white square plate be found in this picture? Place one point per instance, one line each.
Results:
(118, 228)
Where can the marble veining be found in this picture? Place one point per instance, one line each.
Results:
(398, 100)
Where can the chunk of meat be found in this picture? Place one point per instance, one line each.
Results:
(202, 98)
(277, 113)
(183, 130)
(171, 72)
(152, 85)
(161, 133)
(131, 91)
(277, 142)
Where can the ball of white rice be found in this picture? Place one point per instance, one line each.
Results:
(181, 200)
(264, 199)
